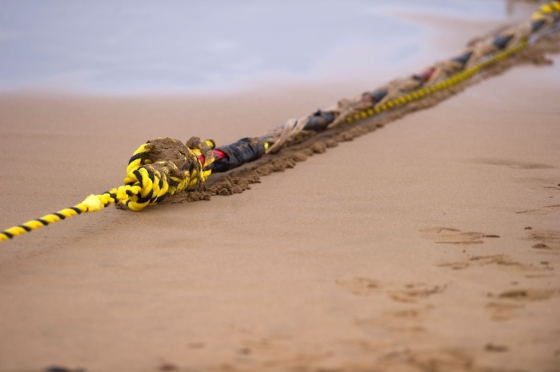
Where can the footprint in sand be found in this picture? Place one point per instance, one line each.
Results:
(446, 235)
(360, 286)
(515, 164)
(541, 211)
(500, 260)
(407, 293)
(529, 295)
(508, 303)
(539, 183)
(427, 360)
(503, 311)
(397, 321)
(411, 293)
(545, 240)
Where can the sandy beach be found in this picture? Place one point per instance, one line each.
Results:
(431, 244)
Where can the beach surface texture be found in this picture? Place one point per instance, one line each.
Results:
(430, 244)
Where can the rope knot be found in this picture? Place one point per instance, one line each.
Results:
(162, 167)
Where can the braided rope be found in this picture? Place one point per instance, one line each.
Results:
(441, 85)
(288, 132)
(442, 75)
(147, 182)
(166, 166)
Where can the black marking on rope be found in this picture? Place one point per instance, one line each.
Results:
(129, 192)
(463, 59)
(26, 228)
(146, 198)
(140, 155)
(59, 215)
(77, 210)
(150, 174)
(537, 24)
(187, 166)
(139, 177)
(172, 182)
(501, 41)
(319, 121)
(45, 223)
(160, 199)
(160, 185)
(7, 234)
(378, 94)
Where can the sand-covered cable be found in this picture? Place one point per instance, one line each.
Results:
(240, 180)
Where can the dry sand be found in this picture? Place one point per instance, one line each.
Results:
(432, 244)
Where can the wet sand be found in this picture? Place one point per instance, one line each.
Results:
(431, 244)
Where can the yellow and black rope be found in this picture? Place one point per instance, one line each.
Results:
(144, 185)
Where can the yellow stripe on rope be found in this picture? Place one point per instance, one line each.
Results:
(91, 204)
(545, 9)
(442, 85)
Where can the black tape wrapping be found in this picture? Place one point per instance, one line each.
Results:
(502, 41)
(463, 58)
(537, 24)
(238, 153)
(378, 95)
(319, 121)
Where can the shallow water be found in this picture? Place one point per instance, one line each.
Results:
(146, 47)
